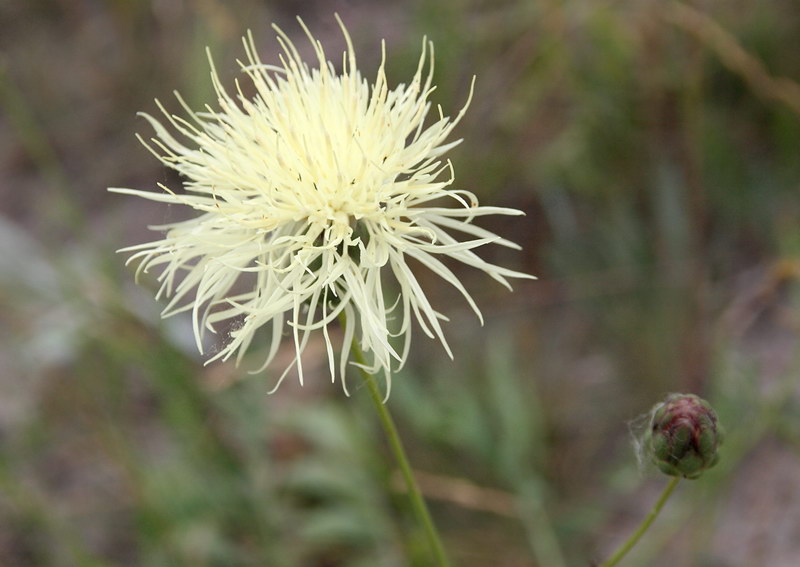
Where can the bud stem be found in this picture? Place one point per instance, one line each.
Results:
(636, 536)
(414, 493)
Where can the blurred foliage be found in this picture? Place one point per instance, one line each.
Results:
(653, 146)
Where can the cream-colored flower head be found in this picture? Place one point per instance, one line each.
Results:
(312, 197)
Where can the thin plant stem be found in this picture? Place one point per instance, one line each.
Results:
(415, 495)
(636, 536)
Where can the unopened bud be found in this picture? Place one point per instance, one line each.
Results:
(684, 436)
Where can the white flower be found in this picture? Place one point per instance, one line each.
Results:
(310, 194)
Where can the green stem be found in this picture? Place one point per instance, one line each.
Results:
(636, 536)
(414, 493)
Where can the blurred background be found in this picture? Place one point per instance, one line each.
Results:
(653, 146)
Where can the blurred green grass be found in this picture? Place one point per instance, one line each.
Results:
(654, 149)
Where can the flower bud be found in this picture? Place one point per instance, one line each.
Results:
(684, 436)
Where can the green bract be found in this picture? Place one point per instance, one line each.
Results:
(684, 436)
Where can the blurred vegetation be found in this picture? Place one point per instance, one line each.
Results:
(654, 147)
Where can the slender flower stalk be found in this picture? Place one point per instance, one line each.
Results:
(312, 198)
(623, 549)
(395, 443)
